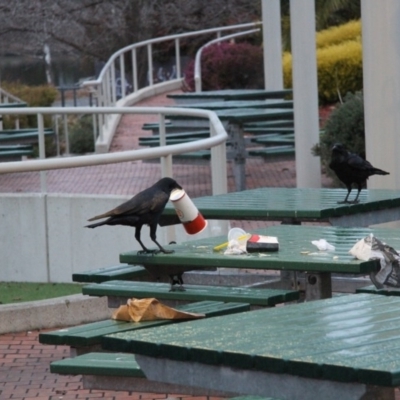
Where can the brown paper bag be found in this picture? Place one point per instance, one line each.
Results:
(150, 310)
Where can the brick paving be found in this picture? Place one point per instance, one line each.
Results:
(24, 363)
(24, 374)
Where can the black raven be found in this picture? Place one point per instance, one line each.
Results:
(351, 168)
(144, 208)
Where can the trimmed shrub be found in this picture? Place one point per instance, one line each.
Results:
(339, 70)
(339, 34)
(229, 66)
(345, 125)
(339, 65)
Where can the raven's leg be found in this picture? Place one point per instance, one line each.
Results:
(346, 198)
(176, 279)
(137, 237)
(153, 229)
(355, 201)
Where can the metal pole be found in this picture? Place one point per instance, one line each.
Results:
(42, 152)
(166, 161)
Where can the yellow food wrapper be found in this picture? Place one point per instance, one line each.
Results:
(150, 309)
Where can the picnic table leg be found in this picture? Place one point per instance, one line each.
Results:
(318, 285)
(238, 144)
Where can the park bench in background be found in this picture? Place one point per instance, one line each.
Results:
(15, 152)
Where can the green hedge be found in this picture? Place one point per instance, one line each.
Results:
(345, 125)
(339, 65)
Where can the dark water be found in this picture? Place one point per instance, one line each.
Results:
(31, 71)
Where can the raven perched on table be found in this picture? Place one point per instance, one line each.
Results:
(144, 208)
(351, 168)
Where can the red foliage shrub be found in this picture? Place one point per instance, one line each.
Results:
(229, 66)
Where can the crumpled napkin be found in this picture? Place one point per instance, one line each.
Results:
(150, 309)
(323, 245)
(236, 247)
(371, 248)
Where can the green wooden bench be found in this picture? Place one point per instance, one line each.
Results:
(384, 291)
(31, 136)
(229, 104)
(170, 128)
(119, 291)
(121, 271)
(13, 105)
(155, 142)
(118, 371)
(230, 94)
(274, 139)
(111, 371)
(179, 135)
(273, 151)
(283, 123)
(87, 337)
(259, 130)
(15, 152)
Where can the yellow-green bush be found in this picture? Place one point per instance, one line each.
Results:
(339, 34)
(339, 70)
(34, 96)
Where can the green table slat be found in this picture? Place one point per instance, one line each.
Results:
(315, 340)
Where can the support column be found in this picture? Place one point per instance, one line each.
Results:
(381, 66)
(272, 42)
(305, 92)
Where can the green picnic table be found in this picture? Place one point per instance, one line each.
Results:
(296, 253)
(340, 348)
(297, 205)
(234, 119)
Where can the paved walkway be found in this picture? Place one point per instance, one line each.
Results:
(24, 363)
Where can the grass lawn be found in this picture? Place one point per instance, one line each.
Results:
(17, 292)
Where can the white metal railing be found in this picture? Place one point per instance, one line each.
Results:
(197, 62)
(216, 142)
(113, 82)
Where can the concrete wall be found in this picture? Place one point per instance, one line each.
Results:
(43, 238)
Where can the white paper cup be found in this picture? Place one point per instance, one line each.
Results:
(191, 218)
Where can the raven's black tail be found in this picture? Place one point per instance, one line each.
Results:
(378, 171)
(95, 225)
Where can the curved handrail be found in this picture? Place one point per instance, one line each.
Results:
(162, 39)
(216, 142)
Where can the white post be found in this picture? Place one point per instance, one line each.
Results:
(381, 64)
(305, 92)
(272, 42)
